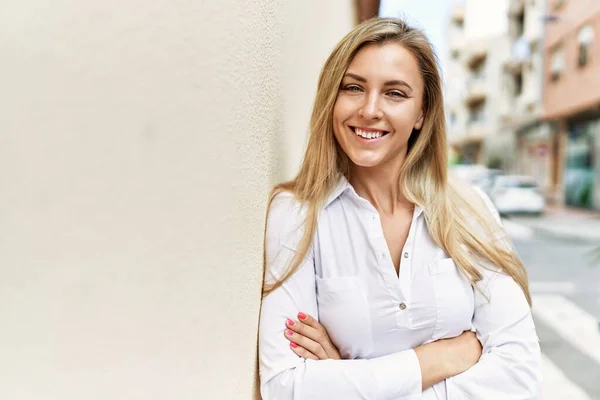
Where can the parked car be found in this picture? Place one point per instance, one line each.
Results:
(486, 182)
(517, 194)
(476, 175)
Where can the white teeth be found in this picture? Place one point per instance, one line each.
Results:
(368, 135)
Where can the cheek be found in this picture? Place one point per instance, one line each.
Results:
(339, 117)
(343, 108)
(403, 119)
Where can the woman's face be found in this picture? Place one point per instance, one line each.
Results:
(379, 103)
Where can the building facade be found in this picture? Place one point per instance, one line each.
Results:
(532, 105)
(479, 46)
(522, 96)
(572, 99)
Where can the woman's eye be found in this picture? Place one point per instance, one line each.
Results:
(396, 94)
(352, 88)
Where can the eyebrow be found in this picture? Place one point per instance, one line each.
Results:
(387, 83)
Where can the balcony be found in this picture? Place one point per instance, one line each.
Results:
(458, 14)
(456, 133)
(477, 130)
(457, 44)
(477, 55)
(474, 132)
(529, 103)
(520, 56)
(516, 66)
(476, 90)
(520, 110)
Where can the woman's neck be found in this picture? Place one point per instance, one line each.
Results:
(380, 186)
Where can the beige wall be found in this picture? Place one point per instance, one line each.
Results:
(138, 141)
(312, 30)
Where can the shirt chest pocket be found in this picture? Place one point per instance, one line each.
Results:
(454, 298)
(345, 312)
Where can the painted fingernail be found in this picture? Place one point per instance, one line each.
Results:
(290, 322)
(301, 315)
(289, 332)
(294, 345)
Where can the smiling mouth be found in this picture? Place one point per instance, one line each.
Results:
(369, 135)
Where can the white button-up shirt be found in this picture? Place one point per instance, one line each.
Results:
(376, 318)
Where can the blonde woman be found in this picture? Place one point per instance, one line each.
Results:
(383, 278)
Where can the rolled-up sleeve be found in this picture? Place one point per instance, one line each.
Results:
(510, 365)
(283, 375)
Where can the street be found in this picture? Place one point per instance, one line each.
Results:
(565, 285)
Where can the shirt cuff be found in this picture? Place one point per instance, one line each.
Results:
(398, 376)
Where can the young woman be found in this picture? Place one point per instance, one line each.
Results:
(384, 279)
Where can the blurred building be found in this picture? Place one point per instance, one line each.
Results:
(572, 99)
(531, 140)
(532, 105)
(478, 45)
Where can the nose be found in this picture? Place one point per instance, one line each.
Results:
(371, 109)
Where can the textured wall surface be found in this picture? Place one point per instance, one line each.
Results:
(312, 29)
(136, 153)
(138, 143)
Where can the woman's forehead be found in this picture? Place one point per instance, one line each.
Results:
(388, 61)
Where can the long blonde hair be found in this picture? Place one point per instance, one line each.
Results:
(457, 218)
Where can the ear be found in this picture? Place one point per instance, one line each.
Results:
(419, 123)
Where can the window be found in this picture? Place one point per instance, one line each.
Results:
(520, 24)
(477, 113)
(478, 68)
(518, 81)
(557, 63)
(585, 37)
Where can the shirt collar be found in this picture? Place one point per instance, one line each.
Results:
(340, 188)
(343, 185)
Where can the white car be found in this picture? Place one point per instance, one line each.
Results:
(517, 194)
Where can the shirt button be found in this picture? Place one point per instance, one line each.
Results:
(405, 255)
(402, 306)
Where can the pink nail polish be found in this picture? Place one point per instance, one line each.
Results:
(290, 322)
(289, 332)
(294, 345)
(301, 315)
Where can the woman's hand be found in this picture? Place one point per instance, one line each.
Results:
(445, 358)
(464, 351)
(309, 339)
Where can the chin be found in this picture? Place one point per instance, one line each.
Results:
(365, 161)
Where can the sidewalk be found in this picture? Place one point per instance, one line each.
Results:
(567, 222)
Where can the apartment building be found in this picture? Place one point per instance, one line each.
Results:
(571, 100)
(522, 96)
(478, 47)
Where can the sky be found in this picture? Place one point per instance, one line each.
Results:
(429, 15)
